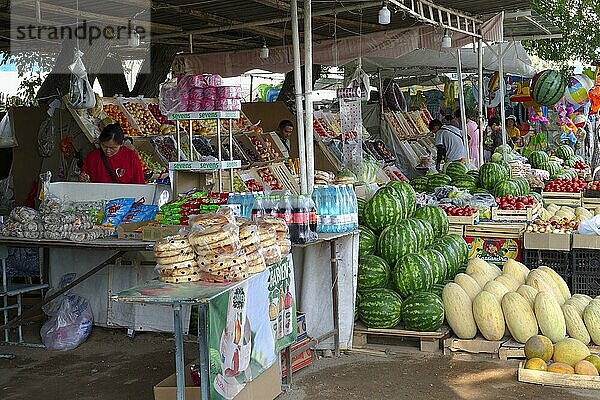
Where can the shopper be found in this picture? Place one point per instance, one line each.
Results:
(112, 162)
(493, 137)
(450, 146)
(513, 132)
(434, 126)
(284, 131)
(472, 135)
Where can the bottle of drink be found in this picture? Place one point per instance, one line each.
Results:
(293, 225)
(258, 208)
(312, 218)
(321, 200)
(354, 202)
(346, 209)
(289, 318)
(335, 210)
(284, 209)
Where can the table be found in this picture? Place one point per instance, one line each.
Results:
(118, 245)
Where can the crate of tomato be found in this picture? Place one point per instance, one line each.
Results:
(461, 215)
(564, 192)
(516, 208)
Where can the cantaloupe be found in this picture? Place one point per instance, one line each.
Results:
(528, 294)
(561, 368)
(570, 351)
(537, 364)
(595, 360)
(468, 284)
(591, 318)
(550, 317)
(458, 310)
(575, 325)
(515, 270)
(544, 283)
(519, 317)
(539, 346)
(488, 315)
(497, 289)
(507, 281)
(559, 281)
(584, 367)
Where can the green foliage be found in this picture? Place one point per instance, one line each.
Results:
(32, 68)
(578, 20)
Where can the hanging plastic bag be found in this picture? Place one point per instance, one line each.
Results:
(81, 94)
(590, 226)
(7, 136)
(361, 79)
(71, 319)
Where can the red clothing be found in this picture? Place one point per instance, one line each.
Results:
(126, 165)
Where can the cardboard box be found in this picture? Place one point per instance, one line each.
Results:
(301, 320)
(586, 241)
(494, 250)
(152, 233)
(267, 386)
(547, 241)
(300, 361)
(131, 230)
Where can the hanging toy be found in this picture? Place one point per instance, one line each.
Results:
(576, 92)
(66, 147)
(547, 87)
(579, 120)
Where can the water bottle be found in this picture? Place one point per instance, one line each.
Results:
(284, 209)
(323, 208)
(336, 209)
(354, 202)
(317, 199)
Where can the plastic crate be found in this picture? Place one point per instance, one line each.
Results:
(586, 284)
(586, 261)
(560, 261)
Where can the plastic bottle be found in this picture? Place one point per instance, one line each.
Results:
(258, 208)
(312, 218)
(335, 211)
(317, 198)
(284, 209)
(354, 202)
(323, 208)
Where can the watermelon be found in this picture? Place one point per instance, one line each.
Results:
(506, 187)
(538, 158)
(419, 184)
(523, 185)
(547, 87)
(570, 173)
(459, 246)
(556, 160)
(450, 255)
(474, 173)
(373, 273)
(408, 195)
(570, 162)
(438, 265)
(367, 241)
(427, 232)
(422, 230)
(380, 308)
(395, 241)
(412, 274)
(564, 152)
(490, 174)
(536, 195)
(423, 312)
(361, 209)
(553, 168)
(466, 182)
(455, 169)
(436, 217)
(437, 289)
(436, 181)
(384, 209)
(480, 191)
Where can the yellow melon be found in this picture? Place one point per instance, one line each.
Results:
(561, 368)
(570, 351)
(536, 363)
(594, 359)
(539, 346)
(584, 367)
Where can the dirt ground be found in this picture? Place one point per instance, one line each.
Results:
(109, 365)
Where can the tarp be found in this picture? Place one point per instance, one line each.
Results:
(422, 62)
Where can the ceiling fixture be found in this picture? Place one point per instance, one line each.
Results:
(264, 51)
(385, 15)
(446, 40)
(134, 38)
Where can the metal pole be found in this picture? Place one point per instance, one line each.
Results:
(5, 297)
(335, 296)
(203, 346)
(308, 86)
(298, 96)
(251, 87)
(219, 147)
(179, 360)
(380, 84)
(231, 155)
(502, 94)
(480, 98)
(461, 105)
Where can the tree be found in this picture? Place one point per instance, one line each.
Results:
(32, 68)
(578, 21)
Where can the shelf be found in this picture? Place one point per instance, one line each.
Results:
(204, 166)
(183, 116)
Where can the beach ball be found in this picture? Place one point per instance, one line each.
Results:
(579, 120)
(576, 92)
(548, 87)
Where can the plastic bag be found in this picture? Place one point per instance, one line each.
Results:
(590, 226)
(7, 136)
(116, 210)
(81, 94)
(71, 319)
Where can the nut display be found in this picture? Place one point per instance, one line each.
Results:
(115, 113)
(143, 117)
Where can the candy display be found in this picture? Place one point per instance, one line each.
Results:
(115, 210)
(178, 212)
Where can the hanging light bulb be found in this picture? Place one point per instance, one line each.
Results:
(385, 15)
(446, 40)
(134, 39)
(264, 51)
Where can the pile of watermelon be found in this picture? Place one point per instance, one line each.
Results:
(405, 257)
(558, 166)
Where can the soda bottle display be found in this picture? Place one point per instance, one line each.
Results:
(284, 209)
(258, 209)
(312, 217)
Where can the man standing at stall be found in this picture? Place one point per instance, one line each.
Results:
(493, 137)
(284, 131)
(450, 146)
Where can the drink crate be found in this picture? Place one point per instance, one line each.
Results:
(560, 261)
(586, 284)
(586, 261)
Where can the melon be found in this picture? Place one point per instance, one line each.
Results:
(550, 317)
(539, 346)
(468, 284)
(591, 317)
(595, 360)
(515, 270)
(480, 277)
(487, 312)
(585, 367)
(477, 264)
(544, 283)
(561, 368)
(559, 281)
(510, 283)
(570, 351)
(497, 289)
(459, 311)
(537, 364)
(579, 301)
(575, 325)
(519, 317)
(528, 294)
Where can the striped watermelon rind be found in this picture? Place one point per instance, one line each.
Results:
(423, 312)
(373, 272)
(436, 181)
(408, 195)
(490, 174)
(548, 87)
(564, 152)
(380, 308)
(395, 241)
(436, 217)
(367, 241)
(412, 274)
(384, 209)
(538, 158)
(361, 209)
(419, 184)
(460, 247)
(438, 265)
(455, 169)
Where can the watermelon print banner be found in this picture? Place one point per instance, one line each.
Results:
(248, 326)
(494, 250)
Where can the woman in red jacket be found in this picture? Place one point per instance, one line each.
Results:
(112, 162)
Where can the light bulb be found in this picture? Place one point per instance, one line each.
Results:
(446, 40)
(134, 39)
(384, 15)
(264, 52)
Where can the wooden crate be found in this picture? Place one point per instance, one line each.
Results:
(477, 345)
(529, 214)
(554, 379)
(511, 349)
(496, 230)
(562, 198)
(591, 203)
(428, 341)
(463, 220)
(456, 229)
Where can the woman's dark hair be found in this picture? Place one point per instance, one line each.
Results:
(448, 118)
(433, 123)
(112, 131)
(494, 121)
